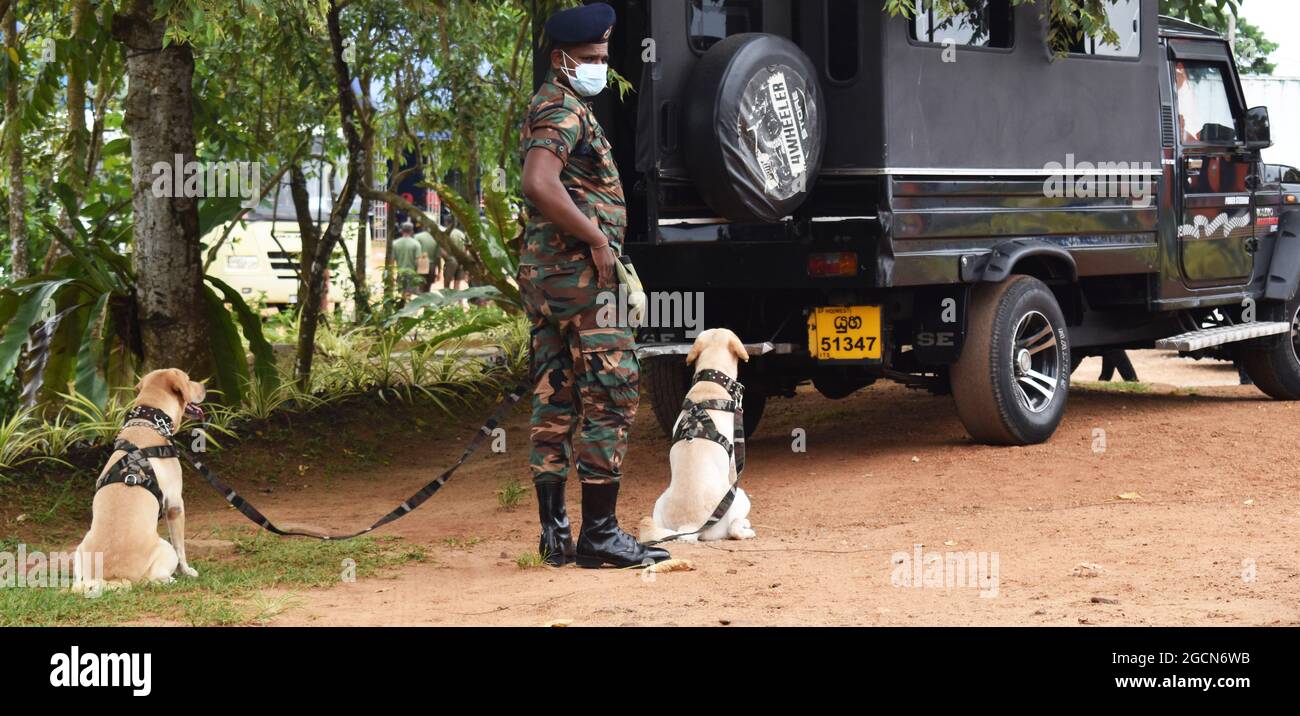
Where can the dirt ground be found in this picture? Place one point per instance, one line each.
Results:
(1160, 505)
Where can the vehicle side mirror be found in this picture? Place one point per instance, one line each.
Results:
(1259, 133)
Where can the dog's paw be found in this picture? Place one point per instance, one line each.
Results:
(189, 571)
(741, 530)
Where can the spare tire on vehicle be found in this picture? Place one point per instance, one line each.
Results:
(754, 127)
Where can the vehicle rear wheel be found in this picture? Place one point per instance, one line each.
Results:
(667, 380)
(1276, 370)
(1012, 381)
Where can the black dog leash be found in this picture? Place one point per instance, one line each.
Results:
(162, 423)
(698, 424)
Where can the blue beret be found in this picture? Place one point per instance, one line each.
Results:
(582, 25)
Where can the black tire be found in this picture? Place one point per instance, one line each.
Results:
(1013, 324)
(668, 378)
(755, 402)
(753, 89)
(1276, 370)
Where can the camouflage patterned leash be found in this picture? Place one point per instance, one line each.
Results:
(414, 501)
(698, 424)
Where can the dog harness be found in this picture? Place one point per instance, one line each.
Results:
(133, 469)
(696, 423)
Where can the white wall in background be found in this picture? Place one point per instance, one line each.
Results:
(1282, 97)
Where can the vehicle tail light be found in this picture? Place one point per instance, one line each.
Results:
(833, 265)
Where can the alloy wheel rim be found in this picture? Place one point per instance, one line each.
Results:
(1036, 362)
(1295, 335)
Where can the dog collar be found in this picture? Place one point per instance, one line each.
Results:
(151, 417)
(733, 386)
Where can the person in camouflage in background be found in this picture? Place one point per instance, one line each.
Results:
(586, 376)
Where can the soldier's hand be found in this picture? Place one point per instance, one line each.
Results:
(604, 259)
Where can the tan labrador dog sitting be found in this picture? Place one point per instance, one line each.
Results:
(702, 469)
(123, 533)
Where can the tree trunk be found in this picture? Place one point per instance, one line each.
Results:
(160, 121)
(390, 234)
(360, 281)
(13, 142)
(316, 265)
(306, 226)
(75, 171)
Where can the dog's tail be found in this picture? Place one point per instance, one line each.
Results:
(651, 532)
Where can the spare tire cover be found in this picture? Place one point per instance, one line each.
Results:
(754, 128)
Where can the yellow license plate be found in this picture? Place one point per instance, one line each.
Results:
(845, 333)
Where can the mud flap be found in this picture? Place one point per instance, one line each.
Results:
(939, 324)
(1284, 271)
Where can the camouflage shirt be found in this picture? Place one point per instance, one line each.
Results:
(589, 174)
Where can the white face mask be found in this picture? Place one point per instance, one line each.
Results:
(587, 80)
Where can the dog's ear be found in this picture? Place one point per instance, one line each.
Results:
(694, 355)
(179, 383)
(738, 348)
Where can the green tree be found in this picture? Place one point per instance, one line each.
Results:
(1252, 47)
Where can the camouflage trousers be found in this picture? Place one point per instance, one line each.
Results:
(586, 378)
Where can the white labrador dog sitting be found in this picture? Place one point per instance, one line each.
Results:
(702, 470)
(123, 539)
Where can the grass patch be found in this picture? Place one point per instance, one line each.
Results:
(529, 560)
(835, 415)
(511, 494)
(227, 590)
(461, 542)
(1138, 388)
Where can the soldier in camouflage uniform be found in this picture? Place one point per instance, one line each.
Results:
(586, 376)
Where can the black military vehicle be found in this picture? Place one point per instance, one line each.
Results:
(945, 202)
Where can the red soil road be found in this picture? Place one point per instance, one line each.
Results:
(1211, 538)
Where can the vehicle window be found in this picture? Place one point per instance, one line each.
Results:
(1125, 18)
(842, 32)
(1291, 176)
(1204, 112)
(983, 23)
(712, 21)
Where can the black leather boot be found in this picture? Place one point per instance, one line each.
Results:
(601, 541)
(556, 545)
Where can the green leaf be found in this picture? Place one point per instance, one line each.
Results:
(438, 299)
(16, 330)
(67, 197)
(227, 350)
(478, 324)
(56, 354)
(122, 145)
(217, 211)
(268, 376)
(491, 250)
(89, 382)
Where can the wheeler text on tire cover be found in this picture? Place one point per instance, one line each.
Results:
(948, 203)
